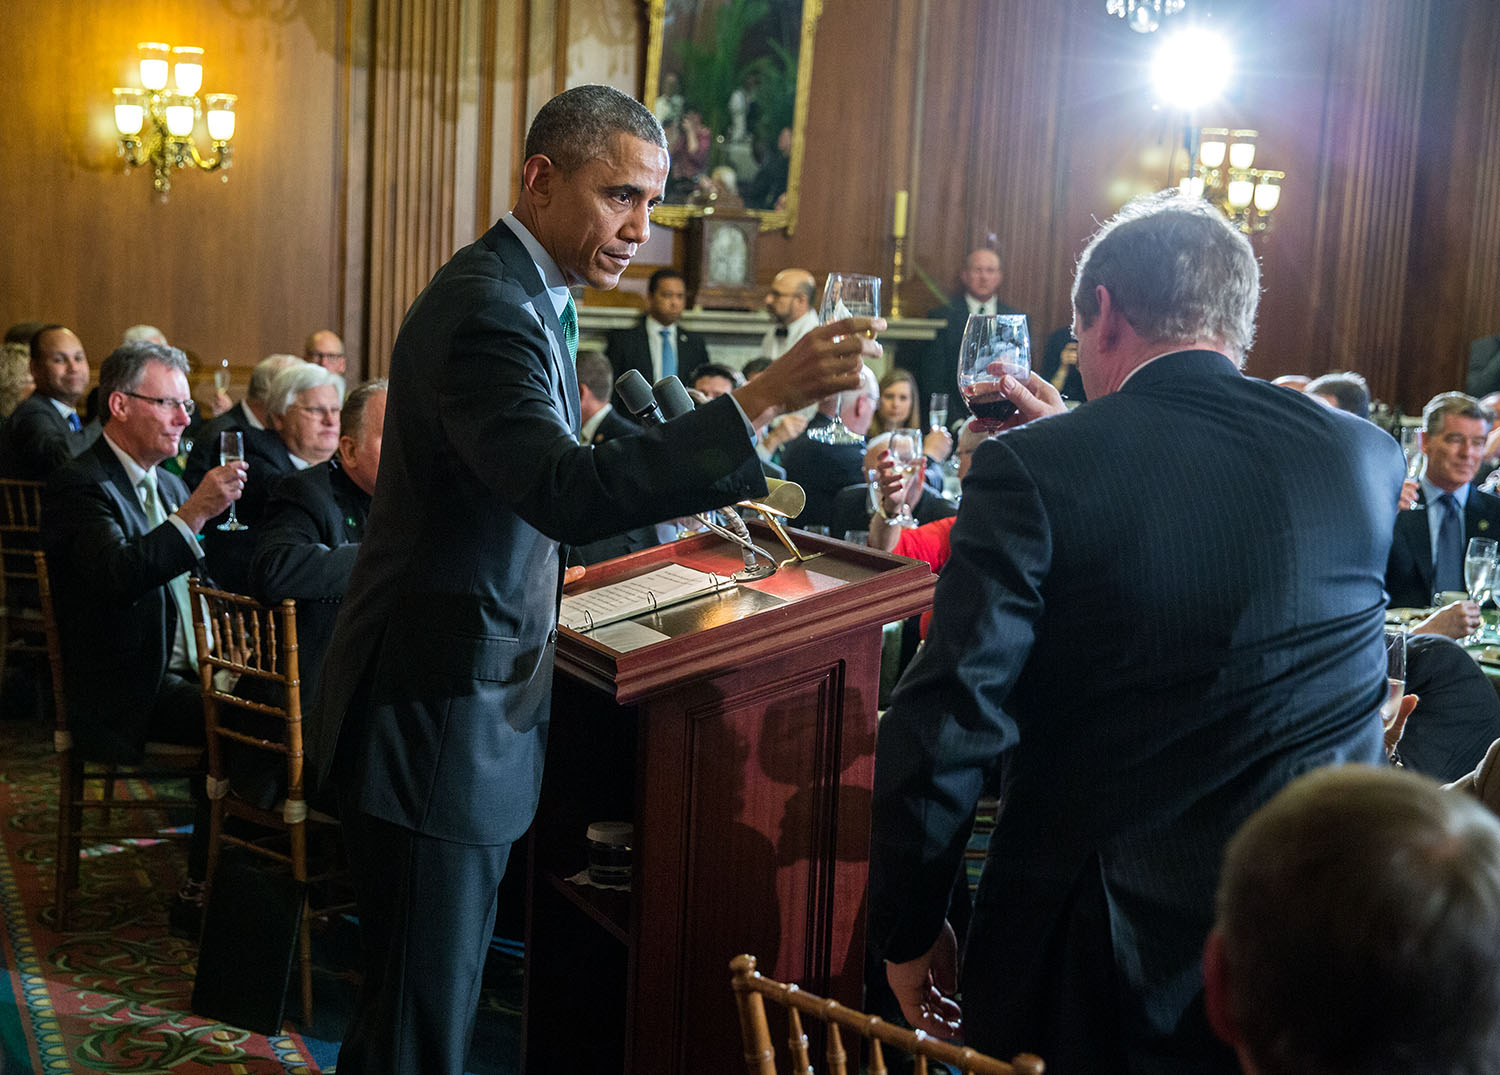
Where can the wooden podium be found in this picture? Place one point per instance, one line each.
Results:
(741, 745)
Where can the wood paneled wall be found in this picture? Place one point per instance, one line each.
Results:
(375, 136)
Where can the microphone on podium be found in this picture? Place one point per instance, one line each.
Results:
(636, 394)
(671, 397)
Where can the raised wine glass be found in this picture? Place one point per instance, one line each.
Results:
(1411, 447)
(221, 376)
(1479, 572)
(906, 452)
(232, 450)
(845, 295)
(937, 411)
(1395, 679)
(993, 345)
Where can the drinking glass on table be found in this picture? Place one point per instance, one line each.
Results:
(1480, 565)
(845, 295)
(993, 345)
(937, 411)
(232, 450)
(1395, 678)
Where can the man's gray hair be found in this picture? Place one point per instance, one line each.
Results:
(1176, 269)
(578, 125)
(1360, 913)
(265, 372)
(352, 417)
(143, 334)
(294, 380)
(1458, 404)
(125, 368)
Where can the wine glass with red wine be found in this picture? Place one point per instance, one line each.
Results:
(994, 345)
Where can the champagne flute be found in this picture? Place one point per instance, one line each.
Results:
(232, 450)
(937, 411)
(221, 376)
(1395, 680)
(1411, 447)
(845, 295)
(993, 345)
(906, 450)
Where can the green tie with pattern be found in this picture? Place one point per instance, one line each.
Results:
(178, 587)
(569, 321)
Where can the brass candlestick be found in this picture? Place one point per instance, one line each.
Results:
(896, 280)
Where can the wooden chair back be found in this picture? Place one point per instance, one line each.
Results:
(252, 700)
(751, 990)
(20, 537)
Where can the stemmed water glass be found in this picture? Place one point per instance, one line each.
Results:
(937, 411)
(993, 345)
(231, 450)
(845, 295)
(906, 452)
(1480, 565)
(1411, 447)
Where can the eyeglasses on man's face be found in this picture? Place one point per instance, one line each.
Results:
(166, 403)
(318, 356)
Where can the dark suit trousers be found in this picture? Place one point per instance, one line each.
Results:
(177, 717)
(426, 911)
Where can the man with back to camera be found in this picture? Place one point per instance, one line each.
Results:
(431, 712)
(657, 345)
(1116, 648)
(1427, 551)
(45, 430)
(1356, 926)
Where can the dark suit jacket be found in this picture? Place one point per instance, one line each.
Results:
(1458, 716)
(612, 425)
(116, 619)
(822, 470)
(1138, 646)
(1484, 366)
(628, 349)
(439, 675)
(1409, 570)
(936, 368)
(305, 546)
(36, 440)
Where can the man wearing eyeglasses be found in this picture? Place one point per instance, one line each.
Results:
(45, 430)
(121, 536)
(324, 348)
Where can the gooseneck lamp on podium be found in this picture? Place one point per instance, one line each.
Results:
(156, 124)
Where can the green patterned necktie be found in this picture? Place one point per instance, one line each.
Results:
(570, 329)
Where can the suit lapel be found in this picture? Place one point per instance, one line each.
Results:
(1411, 528)
(504, 242)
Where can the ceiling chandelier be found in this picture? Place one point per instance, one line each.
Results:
(1144, 16)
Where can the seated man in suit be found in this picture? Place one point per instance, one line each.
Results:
(657, 345)
(302, 410)
(936, 368)
(311, 528)
(1356, 926)
(823, 469)
(324, 348)
(45, 430)
(248, 414)
(1427, 551)
(121, 536)
(601, 423)
(1343, 391)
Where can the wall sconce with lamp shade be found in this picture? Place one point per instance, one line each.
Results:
(155, 124)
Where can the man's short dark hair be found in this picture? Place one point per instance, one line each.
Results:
(663, 274)
(35, 343)
(756, 365)
(1349, 389)
(1458, 404)
(352, 414)
(578, 125)
(1360, 914)
(22, 331)
(596, 374)
(716, 369)
(125, 368)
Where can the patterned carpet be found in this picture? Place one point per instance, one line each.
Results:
(112, 994)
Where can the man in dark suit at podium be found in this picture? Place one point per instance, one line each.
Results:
(1159, 609)
(436, 690)
(657, 345)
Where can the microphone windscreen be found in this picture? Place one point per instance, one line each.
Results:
(671, 397)
(635, 392)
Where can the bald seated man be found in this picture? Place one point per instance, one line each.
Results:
(793, 306)
(324, 348)
(45, 430)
